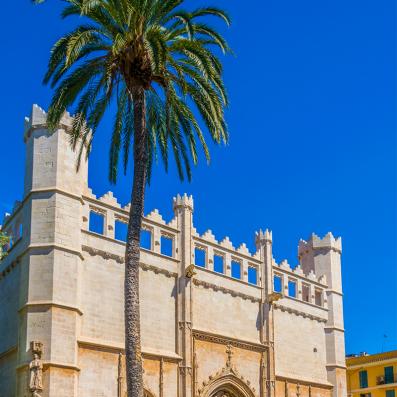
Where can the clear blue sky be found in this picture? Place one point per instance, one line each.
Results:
(313, 138)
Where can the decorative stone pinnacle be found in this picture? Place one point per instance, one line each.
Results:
(262, 237)
(184, 201)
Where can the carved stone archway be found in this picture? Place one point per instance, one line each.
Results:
(227, 385)
(226, 391)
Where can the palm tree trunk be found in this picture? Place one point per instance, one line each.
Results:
(132, 254)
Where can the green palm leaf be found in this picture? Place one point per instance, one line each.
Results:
(158, 65)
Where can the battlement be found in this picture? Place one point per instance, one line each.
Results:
(38, 119)
(317, 243)
(205, 244)
(262, 237)
(220, 257)
(184, 201)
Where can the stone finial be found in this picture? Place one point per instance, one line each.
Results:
(184, 201)
(263, 237)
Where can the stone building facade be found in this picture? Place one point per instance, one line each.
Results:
(216, 320)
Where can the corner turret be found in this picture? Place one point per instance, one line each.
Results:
(323, 257)
(50, 160)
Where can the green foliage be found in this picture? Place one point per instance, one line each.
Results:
(4, 239)
(157, 45)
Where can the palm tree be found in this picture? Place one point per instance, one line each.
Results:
(159, 63)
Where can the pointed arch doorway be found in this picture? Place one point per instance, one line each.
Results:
(226, 392)
(227, 386)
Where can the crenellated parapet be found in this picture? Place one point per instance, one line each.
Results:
(38, 120)
(208, 253)
(184, 201)
(317, 243)
(262, 237)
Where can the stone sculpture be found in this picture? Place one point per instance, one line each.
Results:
(36, 369)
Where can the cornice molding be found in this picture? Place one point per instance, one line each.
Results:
(299, 313)
(52, 364)
(104, 254)
(52, 304)
(301, 382)
(98, 344)
(225, 340)
(234, 293)
(372, 358)
(32, 247)
(51, 189)
(120, 259)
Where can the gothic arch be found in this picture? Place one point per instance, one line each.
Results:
(228, 385)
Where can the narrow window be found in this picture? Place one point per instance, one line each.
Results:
(19, 231)
(292, 289)
(146, 239)
(318, 297)
(305, 293)
(166, 246)
(277, 284)
(199, 257)
(389, 375)
(390, 393)
(97, 222)
(252, 275)
(120, 230)
(218, 263)
(363, 378)
(236, 269)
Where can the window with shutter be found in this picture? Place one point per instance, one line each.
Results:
(363, 376)
(389, 375)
